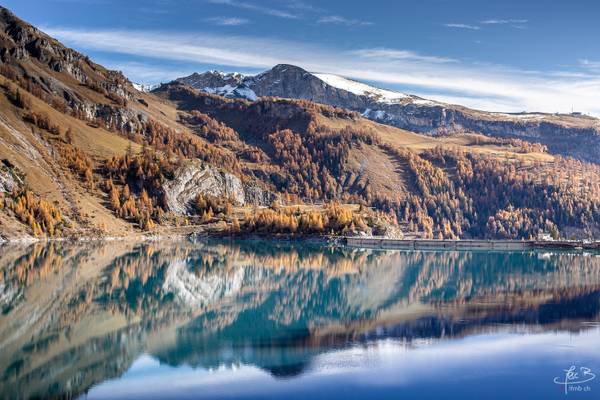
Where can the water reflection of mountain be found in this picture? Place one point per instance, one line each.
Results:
(74, 315)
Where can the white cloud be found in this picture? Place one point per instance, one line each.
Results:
(483, 86)
(393, 54)
(463, 26)
(593, 65)
(504, 21)
(339, 20)
(227, 21)
(301, 6)
(257, 8)
(146, 73)
(197, 48)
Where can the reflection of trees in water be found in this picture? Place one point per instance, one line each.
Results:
(133, 283)
(277, 256)
(275, 305)
(74, 370)
(36, 263)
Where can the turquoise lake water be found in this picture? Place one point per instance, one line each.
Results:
(271, 320)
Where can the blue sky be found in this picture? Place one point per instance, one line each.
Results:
(494, 55)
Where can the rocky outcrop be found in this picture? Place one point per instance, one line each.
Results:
(196, 178)
(7, 184)
(211, 79)
(9, 180)
(20, 41)
(226, 85)
(255, 195)
(289, 81)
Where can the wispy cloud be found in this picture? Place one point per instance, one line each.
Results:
(294, 9)
(514, 23)
(503, 21)
(590, 64)
(483, 86)
(339, 20)
(276, 12)
(462, 26)
(395, 55)
(301, 6)
(146, 72)
(227, 21)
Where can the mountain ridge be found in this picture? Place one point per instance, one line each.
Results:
(411, 112)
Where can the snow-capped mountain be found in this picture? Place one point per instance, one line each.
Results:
(230, 85)
(389, 107)
(294, 82)
(289, 81)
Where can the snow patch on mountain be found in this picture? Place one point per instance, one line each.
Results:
(226, 90)
(378, 115)
(240, 91)
(535, 116)
(362, 89)
(229, 75)
(246, 93)
(142, 87)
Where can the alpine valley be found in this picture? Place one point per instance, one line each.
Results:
(87, 153)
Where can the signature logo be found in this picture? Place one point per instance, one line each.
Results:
(574, 378)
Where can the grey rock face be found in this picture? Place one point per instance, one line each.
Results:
(8, 180)
(289, 81)
(22, 41)
(212, 79)
(195, 178)
(257, 196)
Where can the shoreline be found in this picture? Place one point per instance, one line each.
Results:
(469, 244)
(344, 241)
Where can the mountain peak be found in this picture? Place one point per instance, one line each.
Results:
(212, 80)
(282, 71)
(7, 15)
(287, 67)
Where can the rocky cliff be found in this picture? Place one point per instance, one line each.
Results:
(196, 178)
(67, 78)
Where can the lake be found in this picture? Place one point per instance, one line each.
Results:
(268, 320)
